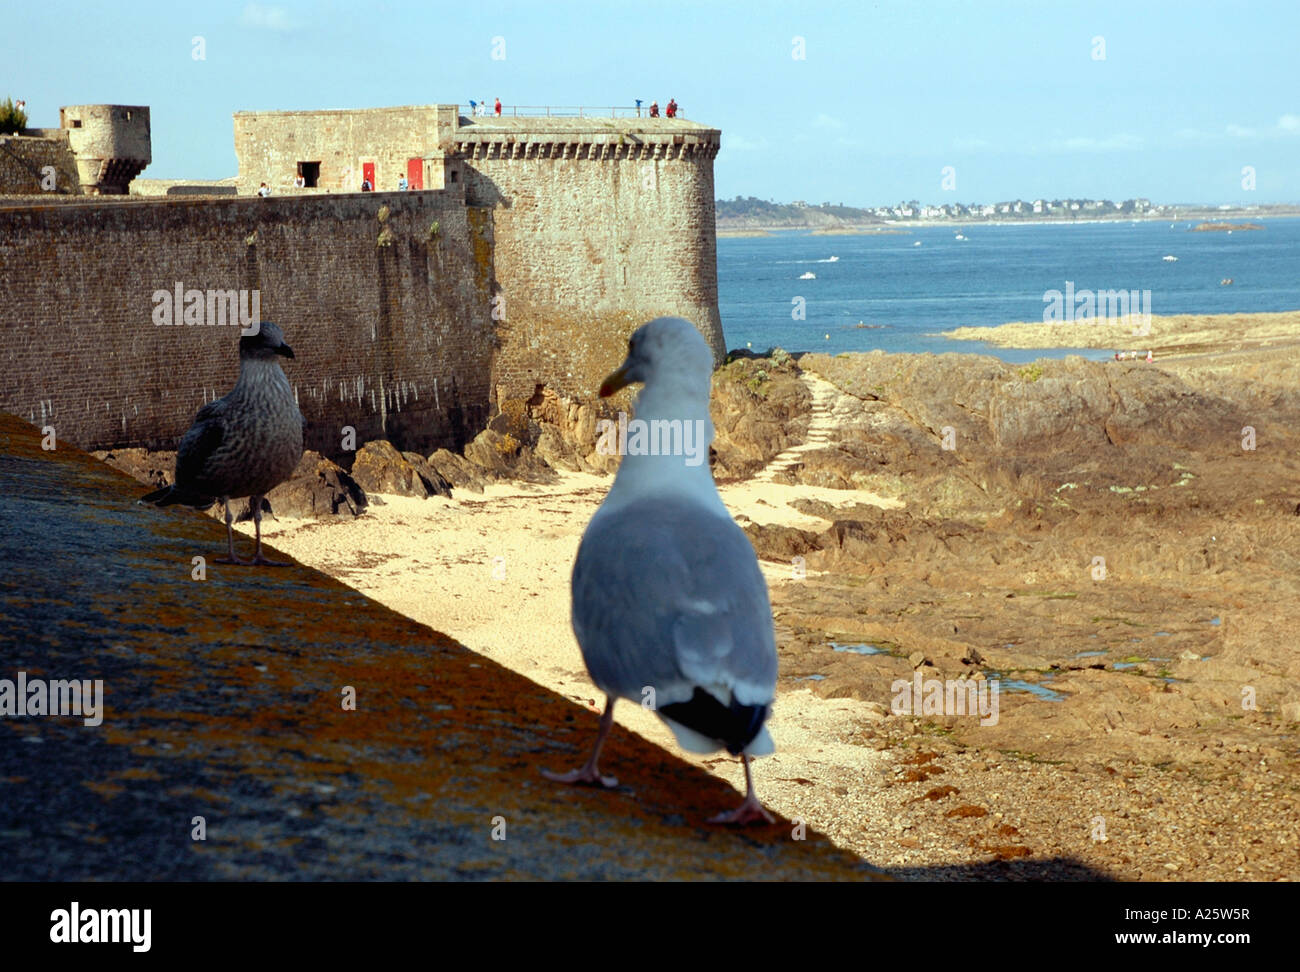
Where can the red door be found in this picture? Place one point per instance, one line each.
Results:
(415, 173)
(368, 172)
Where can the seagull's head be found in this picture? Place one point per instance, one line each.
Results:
(266, 344)
(667, 350)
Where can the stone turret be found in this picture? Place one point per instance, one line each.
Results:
(111, 143)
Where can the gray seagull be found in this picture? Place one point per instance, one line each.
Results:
(244, 444)
(669, 605)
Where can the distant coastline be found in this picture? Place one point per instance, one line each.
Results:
(906, 226)
(861, 231)
(772, 218)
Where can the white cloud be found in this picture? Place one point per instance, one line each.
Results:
(266, 17)
(824, 120)
(1289, 123)
(1240, 131)
(970, 144)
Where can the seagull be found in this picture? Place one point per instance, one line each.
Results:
(669, 605)
(244, 444)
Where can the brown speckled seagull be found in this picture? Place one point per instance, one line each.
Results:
(244, 444)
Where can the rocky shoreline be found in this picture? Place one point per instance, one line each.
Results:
(1092, 536)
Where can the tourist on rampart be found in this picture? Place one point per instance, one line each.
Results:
(264, 191)
(638, 107)
(498, 107)
(402, 184)
(366, 186)
(473, 108)
(671, 111)
(299, 182)
(654, 109)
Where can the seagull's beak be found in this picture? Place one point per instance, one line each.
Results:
(284, 350)
(614, 382)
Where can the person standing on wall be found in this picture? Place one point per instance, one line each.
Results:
(402, 184)
(672, 108)
(264, 191)
(654, 109)
(366, 186)
(498, 107)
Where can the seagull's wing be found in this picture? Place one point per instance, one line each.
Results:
(199, 443)
(669, 596)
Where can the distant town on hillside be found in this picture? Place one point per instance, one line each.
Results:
(758, 214)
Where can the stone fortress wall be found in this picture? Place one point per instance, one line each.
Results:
(24, 160)
(536, 247)
(598, 227)
(393, 340)
(112, 143)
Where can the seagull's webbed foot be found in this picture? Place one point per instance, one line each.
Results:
(230, 539)
(256, 503)
(588, 775)
(590, 772)
(751, 811)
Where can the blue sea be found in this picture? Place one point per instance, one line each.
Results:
(906, 294)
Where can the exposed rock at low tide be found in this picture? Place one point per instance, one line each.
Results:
(318, 487)
(154, 469)
(380, 468)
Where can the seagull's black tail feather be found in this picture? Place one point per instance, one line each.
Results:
(174, 495)
(735, 726)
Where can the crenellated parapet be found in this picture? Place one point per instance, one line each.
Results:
(595, 148)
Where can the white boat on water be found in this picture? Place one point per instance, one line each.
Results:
(833, 259)
(959, 237)
(1169, 258)
(917, 243)
(808, 276)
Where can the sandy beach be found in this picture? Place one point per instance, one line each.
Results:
(493, 572)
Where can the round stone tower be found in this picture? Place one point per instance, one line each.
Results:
(111, 143)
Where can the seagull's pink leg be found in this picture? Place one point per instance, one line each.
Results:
(589, 772)
(230, 539)
(751, 811)
(256, 502)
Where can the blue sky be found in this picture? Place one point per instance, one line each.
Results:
(1011, 95)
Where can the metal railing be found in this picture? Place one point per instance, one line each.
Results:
(562, 111)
